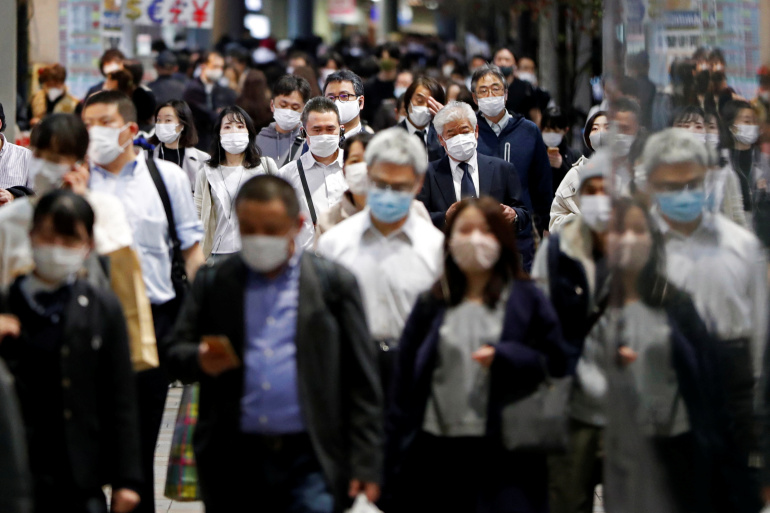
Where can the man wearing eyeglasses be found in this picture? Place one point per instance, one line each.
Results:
(346, 90)
(395, 254)
(511, 137)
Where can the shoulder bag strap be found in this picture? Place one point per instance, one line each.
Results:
(176, 245)
(308, 197)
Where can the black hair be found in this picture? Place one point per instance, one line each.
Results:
(392, 48)
(688, 114)
(239, 54)
(346, 76)
(64, 134)
(189, 135)
(729, 112)
(205, 56)
(626, 105)
(2, 118)
(332, 56)
(319, 104)
(125, 106)
(717, 55)
(431, 84)
(264, 188)
(700, 54)
(67, 210)
(252, 155)
(287, 84)
(361, 137)
(500, 49)
(556, 119)
(136, 69)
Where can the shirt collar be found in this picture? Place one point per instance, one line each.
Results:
(413, 129)
(130, 169)
(472, 164)
(706, 228)
(308, 161)
(408, 229)
(503, 121)
(355, 130)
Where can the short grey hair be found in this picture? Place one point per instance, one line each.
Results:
(673, 146)
(483, 71)
(453, 111)
(396, 146)
(320, 104)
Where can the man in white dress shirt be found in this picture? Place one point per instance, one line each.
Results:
(718, 262)
(394, 254)
(317, 175)
(346, 90)
(14, 165)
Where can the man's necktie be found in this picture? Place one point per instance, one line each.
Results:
(421, 135)
(467, 189)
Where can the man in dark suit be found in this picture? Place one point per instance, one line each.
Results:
(464, 172)
(167, 86)
(298, 425)
(206, 97)
(422, 100)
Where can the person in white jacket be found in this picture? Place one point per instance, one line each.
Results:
(235, 158)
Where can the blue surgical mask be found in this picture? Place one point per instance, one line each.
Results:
(389, 206)
(682, 206)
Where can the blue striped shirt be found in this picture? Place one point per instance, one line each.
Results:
(14, 165)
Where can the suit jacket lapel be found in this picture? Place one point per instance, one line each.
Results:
(311, 300)
(445, 182)
(486, 175)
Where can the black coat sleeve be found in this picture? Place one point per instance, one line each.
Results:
(541, 184)
(513, 195)
(118, 407)
(15, 479)
(437, 216)
(365, 397)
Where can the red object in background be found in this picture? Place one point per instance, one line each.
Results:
(22, 139)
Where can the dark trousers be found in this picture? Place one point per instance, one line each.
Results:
(276, 474)
(469, 475)
(738, 378)
(574, 475)
(55, 499)
(152, 389)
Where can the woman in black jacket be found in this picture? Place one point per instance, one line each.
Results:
(65, 343)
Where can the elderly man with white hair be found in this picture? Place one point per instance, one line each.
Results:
(718, 262)
(463, 172)
(394, 253)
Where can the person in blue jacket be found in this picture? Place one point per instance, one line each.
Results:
(513, 138)
(485, 331)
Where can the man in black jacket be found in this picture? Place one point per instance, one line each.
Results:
(290, 402)
(206, 97)
(15, 481)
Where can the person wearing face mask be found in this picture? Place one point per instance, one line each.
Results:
(422, 100)
(175, 138)
(383, 85)
(740, 134)
(317, 175)
(53, 96)
(720, 264)
(571, 267)
(110, 61)
(66, 344)
(466, 173)
(167, 234)
(235, 158)
(723, 190)
(556, 136)
(207, 97)
(276, 398)
(394, 252)
(527, 71)
(346, 90)
(483, 330)
(282, 140)
(669, 425)
(510, 137)
(520, 98)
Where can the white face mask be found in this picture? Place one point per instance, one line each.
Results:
(166, 132)
(746, 134)
(475, 252)
(597, 139)
(109, 68)
(492, 106)
(264, 253)
(54, 92)
(348, 110)
(527, 77)
(287, 119)
(552, 139)
(622, 145)
(324, 145)
(700, 137)
(712, 140)
(398, 92)
(596, 210)
(420, 116)
(235, 144)
(461, 147)
(357, 177)
(104, 146)
(57, 263)
(214, 75)
(45, 175)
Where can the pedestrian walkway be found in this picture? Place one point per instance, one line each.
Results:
(162, 504)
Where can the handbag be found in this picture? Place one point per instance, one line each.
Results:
(539, 422)
(182, 474)
(127, 284)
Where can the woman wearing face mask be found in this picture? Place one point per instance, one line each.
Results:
(66, 344)
(723, 190)
(740, 133)
(175, 138)
(556, 135)
(667, 423)
(483, 332)
(422, 100)
(53, 96)
(356, 175)
(235, 157)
